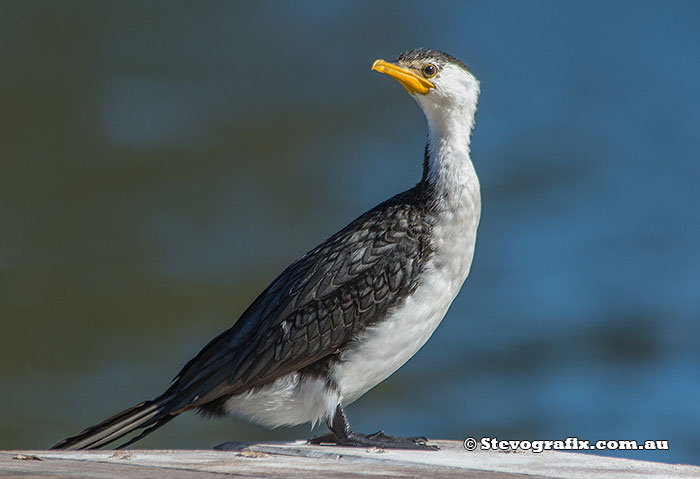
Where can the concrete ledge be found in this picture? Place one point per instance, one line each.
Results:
(300, 460)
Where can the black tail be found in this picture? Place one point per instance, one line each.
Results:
(148, 414)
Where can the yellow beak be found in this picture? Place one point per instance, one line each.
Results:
(412, 82)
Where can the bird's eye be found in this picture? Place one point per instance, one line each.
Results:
(429, 70)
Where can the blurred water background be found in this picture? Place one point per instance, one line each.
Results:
(161, 162)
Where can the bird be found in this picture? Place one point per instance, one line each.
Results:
(351, 311)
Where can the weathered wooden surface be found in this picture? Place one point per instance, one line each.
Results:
(299, 460)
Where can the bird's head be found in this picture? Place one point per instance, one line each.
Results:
(442, 85)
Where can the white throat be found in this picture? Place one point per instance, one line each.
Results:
(450, 169)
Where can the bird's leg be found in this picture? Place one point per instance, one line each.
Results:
(343, 435)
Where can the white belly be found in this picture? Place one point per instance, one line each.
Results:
(287, 401)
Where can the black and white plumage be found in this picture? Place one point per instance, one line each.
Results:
(351, 311)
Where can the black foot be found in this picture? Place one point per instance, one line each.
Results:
(342, 435)
(378, 440)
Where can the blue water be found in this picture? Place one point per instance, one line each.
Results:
(159, 164)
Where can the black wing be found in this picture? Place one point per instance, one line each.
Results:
(315, 306)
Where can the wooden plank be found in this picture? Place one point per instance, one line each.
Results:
(300, 460)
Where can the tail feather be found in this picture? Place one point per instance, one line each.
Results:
(148, 413)
(157, 425)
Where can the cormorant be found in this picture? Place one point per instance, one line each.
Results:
(351, 311)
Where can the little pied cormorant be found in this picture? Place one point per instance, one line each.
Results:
(351, 311)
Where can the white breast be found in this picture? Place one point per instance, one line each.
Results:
(382, 349)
